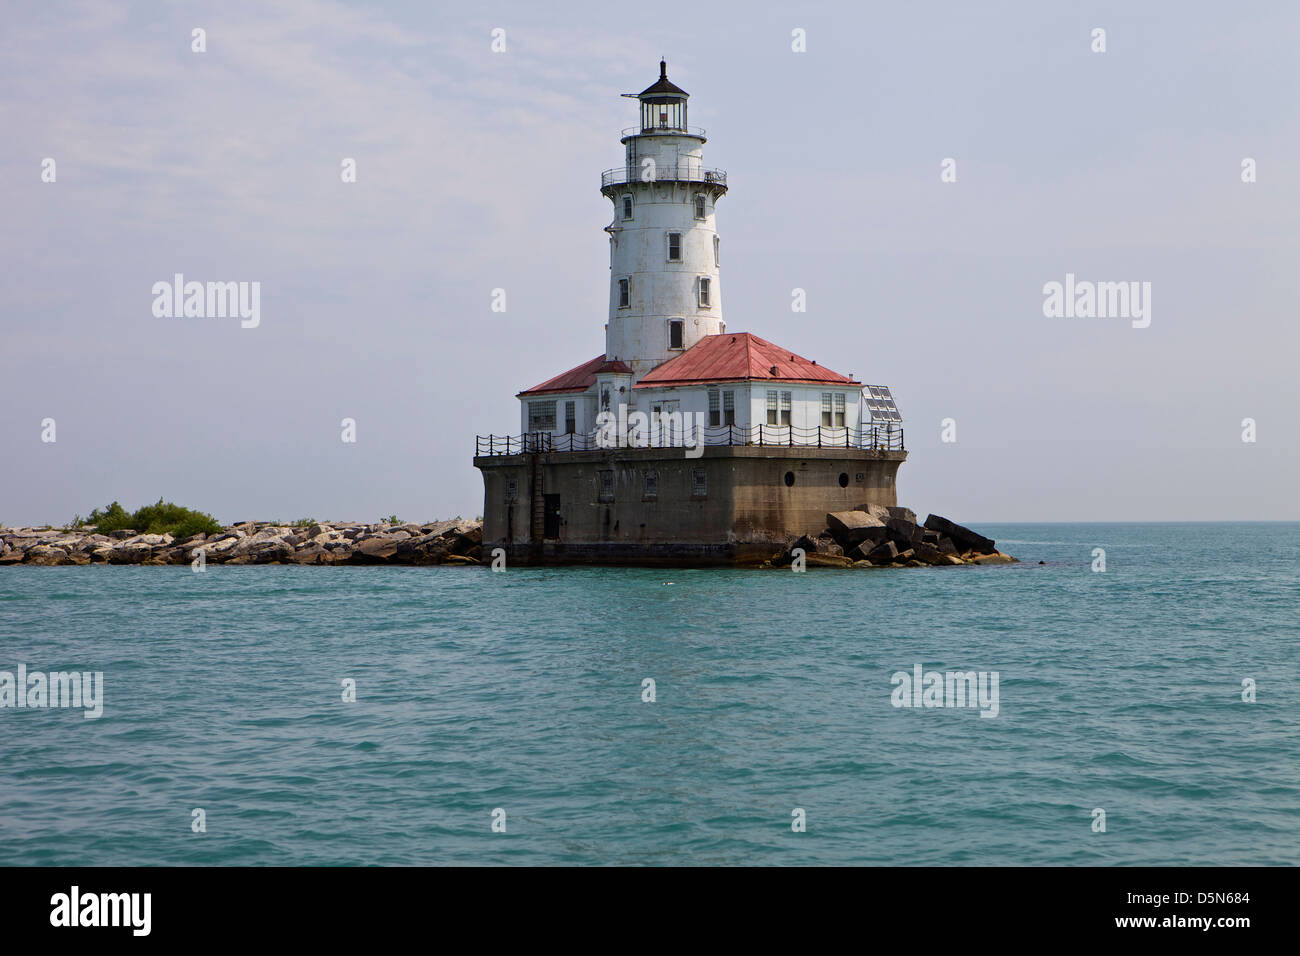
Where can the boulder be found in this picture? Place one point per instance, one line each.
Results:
(46, 555)
(376, 549)
(271, 551)
(809, 545)
(929, 554)
(827, 561)
(879, 512)
(308, 554)
(900, 531)
(964, 538)
(425, 549)
(907, 514)
(854, 527)
(859, 552)
(997, 557)
(883, 553)
(121, 535)
(134, 552)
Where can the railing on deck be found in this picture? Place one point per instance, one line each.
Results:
(681, 172)
(665, 130)
(872, 438)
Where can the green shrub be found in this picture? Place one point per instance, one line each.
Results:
(112, 518)
(162, 517)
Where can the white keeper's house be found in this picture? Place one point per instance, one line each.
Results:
(590, 475)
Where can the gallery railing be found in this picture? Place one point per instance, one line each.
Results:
(663, 173)
(872, 437)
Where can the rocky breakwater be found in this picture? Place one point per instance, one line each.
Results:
(876, 536)
(253, 542)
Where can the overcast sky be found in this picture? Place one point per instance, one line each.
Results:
(479, 170)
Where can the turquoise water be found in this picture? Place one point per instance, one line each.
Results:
(522, 690)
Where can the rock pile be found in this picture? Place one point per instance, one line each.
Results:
(253, 542)
(876, 536)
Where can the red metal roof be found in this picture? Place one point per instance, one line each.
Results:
(578, 379)
(735, 357)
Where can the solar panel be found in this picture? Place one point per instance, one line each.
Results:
(880, 403)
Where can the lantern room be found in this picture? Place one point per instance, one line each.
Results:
(663, 105)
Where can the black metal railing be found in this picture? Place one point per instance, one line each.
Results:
(663, 173)
(667, 130)
(869, 438)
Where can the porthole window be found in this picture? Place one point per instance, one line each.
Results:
(844, 479)
(789, 479)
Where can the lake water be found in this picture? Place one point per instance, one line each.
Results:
(523, 690)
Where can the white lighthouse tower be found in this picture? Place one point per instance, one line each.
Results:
(664, 250)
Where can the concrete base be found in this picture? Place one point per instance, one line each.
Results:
(656, 506)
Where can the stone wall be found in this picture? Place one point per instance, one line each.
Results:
(751, 501)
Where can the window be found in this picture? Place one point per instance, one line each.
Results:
(704, 292)
(699, 483)
(771, 408)
(606, 485)
(715, 408)
(717, 247)
(674, 247)
(675, 333)
(541, 416)
(826, 409)
(651, 485)
(512, 490)
(624, 293)
(627, 207)
(785, 408)
(839, 409)
(728, 408)
(570, 417)
(701, 207)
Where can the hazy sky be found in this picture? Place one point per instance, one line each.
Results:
(480, 170)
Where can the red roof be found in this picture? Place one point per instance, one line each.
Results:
(578, 379)
(737, 357)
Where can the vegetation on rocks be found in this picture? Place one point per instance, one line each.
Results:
(162, 517)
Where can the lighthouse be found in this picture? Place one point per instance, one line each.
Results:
(683, 442)
(664, 249)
